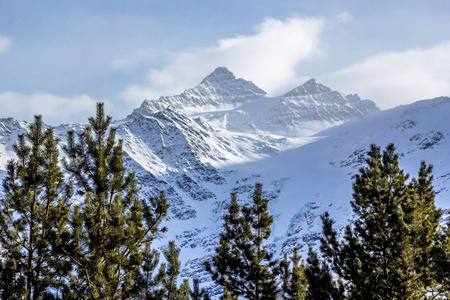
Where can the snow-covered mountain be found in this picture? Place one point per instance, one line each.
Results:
(220, 89)
(226, 134)
(237, 105)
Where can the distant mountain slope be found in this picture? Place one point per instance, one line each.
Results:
(304, 146)
(303, 111)
(237, 105)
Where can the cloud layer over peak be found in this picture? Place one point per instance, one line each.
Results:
(268, 58)
(396, 78)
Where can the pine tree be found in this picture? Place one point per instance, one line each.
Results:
(293, 279)
(320, 280)
(150, 280)
(166, 284)
(384, 252)
(111, 229)
(441, 256)
(423, 225)
(206, 297)
(172, 272)
(243, 265)
(197, 293)
(33, 214)
(227, 295)
(184, 290)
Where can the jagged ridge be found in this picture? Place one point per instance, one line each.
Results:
(220, 88)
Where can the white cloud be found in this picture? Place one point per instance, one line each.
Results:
(396, 78)
(269, 58)
(54, 109)
(5, 43)
(343, 17)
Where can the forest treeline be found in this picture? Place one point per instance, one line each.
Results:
(80, 231)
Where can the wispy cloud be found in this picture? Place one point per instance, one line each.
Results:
(343, 17)
(269, 58)
(5, 43)
(396, 78)
(54, 109)
(140, 58)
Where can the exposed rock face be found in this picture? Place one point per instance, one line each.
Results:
(218, 89)
(240, 106)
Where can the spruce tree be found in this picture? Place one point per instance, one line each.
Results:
(293, 278)
(243, 265)
(111, 228)
(33, 215)
(384, 252)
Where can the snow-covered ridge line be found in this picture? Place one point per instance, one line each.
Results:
(219, 88)
(234, 104)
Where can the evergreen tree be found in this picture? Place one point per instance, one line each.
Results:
(384, 252)
(227, 295)
(197, 293)
(293, 279)
(111, 229)
(33, 215)
(320, 280)
(166, 284)
(243, 265)
(149, 279)
(206, 297)
(423, 224)
(441, 255)
(172, 272)
(184, 291)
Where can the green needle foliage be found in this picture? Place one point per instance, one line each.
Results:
(293, 279)
(111, 229)
(387, 252)
(441, 257)
(320, 280)
(33, 217)
(243, 265)
(169, 282)
(165, 284)
(197, 293)
(148, 280)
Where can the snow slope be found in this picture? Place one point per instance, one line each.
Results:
(304, 146)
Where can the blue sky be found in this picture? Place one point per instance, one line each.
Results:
(58, 58)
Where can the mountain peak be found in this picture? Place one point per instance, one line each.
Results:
(310, 87)
(220, 74)
(219, 88)
(312, 81)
